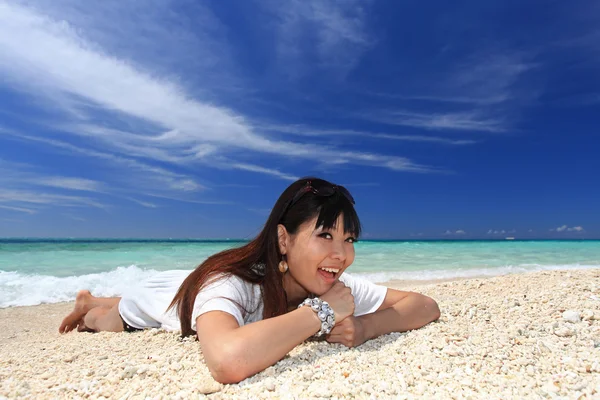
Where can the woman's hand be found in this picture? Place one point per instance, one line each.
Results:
(350, 332)
(340, 299)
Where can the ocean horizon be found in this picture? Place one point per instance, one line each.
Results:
(49, 270)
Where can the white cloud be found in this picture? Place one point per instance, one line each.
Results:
(19, 209)
(152, 33)
(26, 181)
(499, 232)
(487, 78)
(335, 32)
(484, 79)
(22, 189)
(142, 203)
(565, 228)
(462, 121)
(140, 176)
(12, 173)
(478, 94)
(457, 232)
(268, 171)
(308, 131)
(63, 182)
(40, 198)
(170, 125)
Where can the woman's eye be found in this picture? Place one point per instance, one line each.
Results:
(325, 235)
(351, 240)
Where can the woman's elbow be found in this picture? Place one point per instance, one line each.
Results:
(225, 366)
(227, 375)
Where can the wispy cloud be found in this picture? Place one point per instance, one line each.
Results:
(425, 139)
(12, 173)
(171, 126)
(19, 209)
(487, 78)
(268, 171)
(457, 121)
(41, 198)
(154, 34)
(447, 99)
(142, 203)
(23, 189)
(480, 94)
(141, 176)
(482, 79)
(302, 130)
(333, 32)
(68, 183)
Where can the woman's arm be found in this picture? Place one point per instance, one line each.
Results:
(233, 353)
(400, 311)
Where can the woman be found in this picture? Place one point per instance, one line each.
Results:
(251, 305)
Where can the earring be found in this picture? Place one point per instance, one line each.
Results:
(283, 266)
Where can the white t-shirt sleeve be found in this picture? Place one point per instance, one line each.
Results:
(367, 295)
(229, 294)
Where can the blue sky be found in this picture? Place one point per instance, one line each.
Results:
(188, 118)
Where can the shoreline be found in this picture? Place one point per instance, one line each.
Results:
(415, 283)
(391, 283)
(498, 337)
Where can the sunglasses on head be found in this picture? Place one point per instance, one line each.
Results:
(321, 189)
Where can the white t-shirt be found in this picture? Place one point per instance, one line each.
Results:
(145, 307)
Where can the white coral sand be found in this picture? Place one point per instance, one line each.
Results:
(531, 335)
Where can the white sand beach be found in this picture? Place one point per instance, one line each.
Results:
(534, 335)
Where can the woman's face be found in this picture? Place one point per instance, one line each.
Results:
(316, 258)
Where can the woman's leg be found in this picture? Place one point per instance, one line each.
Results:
(104, 319)
(84, 302)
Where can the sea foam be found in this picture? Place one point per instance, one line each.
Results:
(444, 274)
(17, 289)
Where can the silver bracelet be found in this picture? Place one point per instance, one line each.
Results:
(324, 312)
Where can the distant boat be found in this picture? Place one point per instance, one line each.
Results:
(510, 238)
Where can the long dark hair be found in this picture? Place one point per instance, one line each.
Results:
(264, 249)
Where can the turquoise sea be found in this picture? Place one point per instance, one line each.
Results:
(34, 271)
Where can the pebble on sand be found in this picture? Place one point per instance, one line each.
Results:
(572, 316)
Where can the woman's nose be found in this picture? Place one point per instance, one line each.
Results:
(338, 252)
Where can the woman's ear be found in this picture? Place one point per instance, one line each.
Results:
(282, 238)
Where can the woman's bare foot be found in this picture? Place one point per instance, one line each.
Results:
(83, 303)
